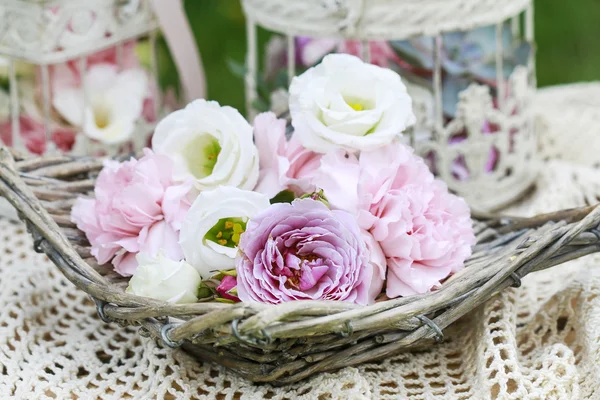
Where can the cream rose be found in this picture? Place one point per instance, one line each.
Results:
(212, 228)
(164, 279)
(346, 103)
(212, 143)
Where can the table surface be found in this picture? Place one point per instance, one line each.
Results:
(539, 341)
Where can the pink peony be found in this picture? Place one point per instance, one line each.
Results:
(33, 134)
(284, 165)
(303, 251)
(424, 231)
(137, 208)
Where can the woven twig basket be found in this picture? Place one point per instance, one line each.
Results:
(288, 342)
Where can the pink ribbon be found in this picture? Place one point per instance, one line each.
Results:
(178, 34)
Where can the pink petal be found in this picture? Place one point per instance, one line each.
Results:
(338, 177)
(125, 263)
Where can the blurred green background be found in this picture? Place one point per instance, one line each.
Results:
(567, 34)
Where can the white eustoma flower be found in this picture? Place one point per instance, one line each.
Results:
(164, 279)
(211, 142)
(211, 230)
(346, 103)
(115, 102)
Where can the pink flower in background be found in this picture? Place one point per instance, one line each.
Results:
(459, 167)
(33, 135)
(137, 208)
(303, 251)
(310, 51)
(313, 50)
(284, 165)
(424, 231)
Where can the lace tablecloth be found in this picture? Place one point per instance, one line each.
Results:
(540, 341)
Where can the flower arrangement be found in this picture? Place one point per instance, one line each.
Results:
(338, 210)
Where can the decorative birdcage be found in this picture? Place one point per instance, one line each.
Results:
(474, 124)
(74, 79)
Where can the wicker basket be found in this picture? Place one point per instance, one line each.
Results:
(288, 342)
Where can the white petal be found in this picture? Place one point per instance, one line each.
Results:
(100, 78)
(117, 131)
(68, 102)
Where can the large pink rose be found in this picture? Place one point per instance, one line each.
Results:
(137, 207)
(424, 231)
(284, 165)
(304, 251)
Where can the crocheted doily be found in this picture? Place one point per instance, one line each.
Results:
(540, 341)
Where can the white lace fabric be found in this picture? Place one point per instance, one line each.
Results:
(539, 341)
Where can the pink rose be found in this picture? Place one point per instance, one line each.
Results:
(424, 231)
(284, 165)
(303, 251)
(137, 208)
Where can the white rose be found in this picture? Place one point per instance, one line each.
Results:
(211, 142)
(346, 103)
(211, 230)
(164, 279)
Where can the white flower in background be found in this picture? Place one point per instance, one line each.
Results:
(346, 103)
(115, 102)
(164, 279)
(211, 142)
(211, 230)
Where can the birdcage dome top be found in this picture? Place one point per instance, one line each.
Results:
(45, 32)
(378, 19)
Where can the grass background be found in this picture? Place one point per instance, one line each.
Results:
(567, 35)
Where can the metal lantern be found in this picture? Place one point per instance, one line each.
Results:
(476, 134)
(40, 38)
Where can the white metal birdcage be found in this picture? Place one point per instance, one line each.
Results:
(485, 150)
(45, 37)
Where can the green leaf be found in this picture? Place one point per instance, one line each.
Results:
(229, 272)
(222, 300)
(284, 196)
(205, 291)
(317, 196)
